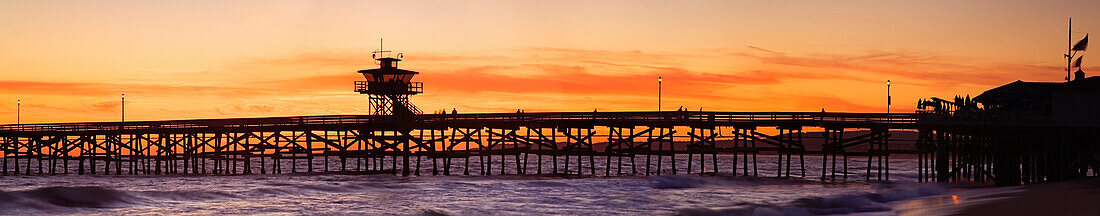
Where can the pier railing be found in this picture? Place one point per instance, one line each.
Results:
(597, 118)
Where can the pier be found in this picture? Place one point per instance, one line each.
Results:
(946, 150)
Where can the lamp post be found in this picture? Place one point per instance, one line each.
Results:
(658, 94)
(18, 111)
(888, 97)
(124, 107)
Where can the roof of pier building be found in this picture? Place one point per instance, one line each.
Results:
(1071, 102)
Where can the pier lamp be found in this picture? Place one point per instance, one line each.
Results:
(18, 111)
(123, 107)
(888, 97)
(658, 94)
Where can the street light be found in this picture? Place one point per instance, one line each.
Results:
(658, 94)
(123, 107)
(18, 111)
(888, 97)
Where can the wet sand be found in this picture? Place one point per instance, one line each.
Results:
(1077, 197)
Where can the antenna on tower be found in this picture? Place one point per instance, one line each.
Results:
(380, 53)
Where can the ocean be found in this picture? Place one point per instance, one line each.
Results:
(387, 194)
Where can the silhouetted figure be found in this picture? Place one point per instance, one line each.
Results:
(454, 111)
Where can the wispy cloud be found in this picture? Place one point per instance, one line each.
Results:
(750, 78)
(924, 69)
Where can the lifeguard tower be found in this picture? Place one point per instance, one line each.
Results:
(389, 87)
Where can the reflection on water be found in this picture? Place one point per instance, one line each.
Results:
(955, 200)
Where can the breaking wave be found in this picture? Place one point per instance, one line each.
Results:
(862, 202)
(340, 194)
(53, 197)
(95, 197)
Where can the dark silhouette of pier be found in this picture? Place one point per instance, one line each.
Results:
(132, 147)
(946, 150)
(955, 140)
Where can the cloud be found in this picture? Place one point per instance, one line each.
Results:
(622, 56)
(580, 76)
(106, 106)
(921, 68)
(89, 88)
(569, 79)
(32, 87)
(254, 108)
(317, 58)
(533, 78)
(765, 50)
(259, 87)
(834, 104)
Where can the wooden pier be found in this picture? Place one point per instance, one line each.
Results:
(981, 151)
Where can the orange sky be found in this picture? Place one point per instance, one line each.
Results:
(69, 60)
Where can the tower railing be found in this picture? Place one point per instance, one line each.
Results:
(389, 87)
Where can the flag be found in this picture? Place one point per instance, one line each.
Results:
(1082, 45)
(1077, 63)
